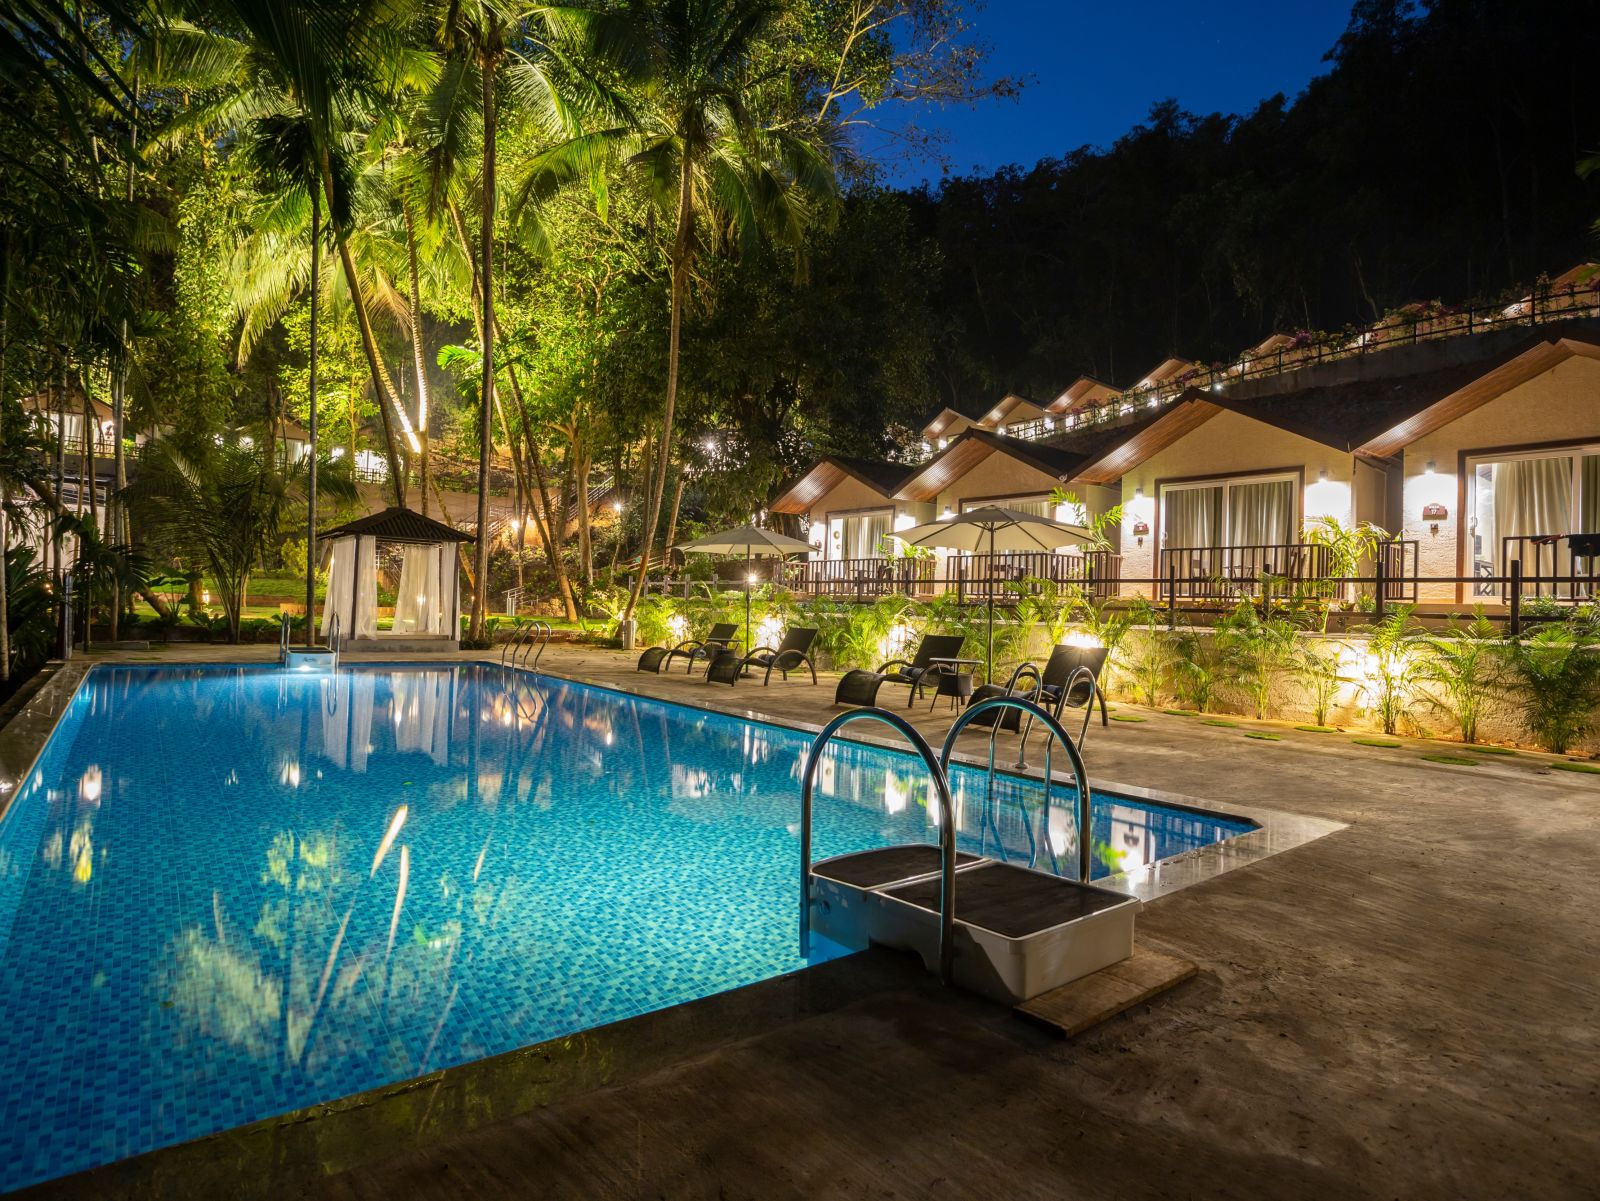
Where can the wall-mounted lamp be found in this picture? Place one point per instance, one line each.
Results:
(1323, 475)
(946, 515)
(1141, 531)
(1138, 493)
(1430, 468)
(1433, 514)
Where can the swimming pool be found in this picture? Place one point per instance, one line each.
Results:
(228, 893)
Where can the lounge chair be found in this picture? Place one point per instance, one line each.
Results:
(789, 655)
(695, 649)
(914, 673)
(1064, 661)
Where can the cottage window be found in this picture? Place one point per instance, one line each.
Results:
(1528, 495)
(1245, 511)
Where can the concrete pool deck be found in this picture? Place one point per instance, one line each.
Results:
(1408, 1007)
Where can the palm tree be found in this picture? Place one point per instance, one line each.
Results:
(491, 37)
(706, 129)
(226, 510)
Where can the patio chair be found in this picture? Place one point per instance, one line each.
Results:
(789, 655)
(1064, 661)
(915, 672)
(720, 639)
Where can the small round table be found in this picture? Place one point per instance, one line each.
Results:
(951, 681)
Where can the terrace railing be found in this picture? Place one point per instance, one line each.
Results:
(1410, 325)
(980, 577)
(1562, 567)
(859, 579)
(1226, 573)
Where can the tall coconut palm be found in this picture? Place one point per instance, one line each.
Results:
(491, 37)
(708, 130)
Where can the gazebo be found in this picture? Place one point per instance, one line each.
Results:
(427, 611)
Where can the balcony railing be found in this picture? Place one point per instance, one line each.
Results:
(1229, 573)
(1563, 567)
(1406, 327)
(971, 577)
(978, 577)
(859, 579)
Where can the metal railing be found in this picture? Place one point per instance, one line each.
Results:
(1560, 567)
(1406, 327)
(1001, 576)
(1080, 774)
(859, 579)
(1231, 573)
(947, 827)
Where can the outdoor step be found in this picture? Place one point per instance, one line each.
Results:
(1100, 996)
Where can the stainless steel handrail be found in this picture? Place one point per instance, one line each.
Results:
(546, 631)
(1079, 773)
(1080, 672)
(947, 828)
(284, 627)
(335, 640)
(519, 634)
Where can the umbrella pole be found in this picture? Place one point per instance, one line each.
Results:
(749, 635)
(988, 662)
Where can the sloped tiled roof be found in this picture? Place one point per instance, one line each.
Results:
(398, 525)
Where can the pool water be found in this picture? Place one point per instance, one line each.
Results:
(227, 893)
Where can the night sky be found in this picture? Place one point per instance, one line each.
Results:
(1094, 69)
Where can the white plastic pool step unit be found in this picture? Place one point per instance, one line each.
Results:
(309, 658)
(1017, 932)
(1004, 931)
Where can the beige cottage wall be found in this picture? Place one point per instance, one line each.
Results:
(851, 495)
(1231, 444)
(1561, 405)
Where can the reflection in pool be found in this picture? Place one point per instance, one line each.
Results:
(226, 893)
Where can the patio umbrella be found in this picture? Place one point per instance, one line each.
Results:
(753, 543)
(990, 530)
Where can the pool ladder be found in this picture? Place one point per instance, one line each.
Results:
(528, 642)
(286, 641)
(939, 769)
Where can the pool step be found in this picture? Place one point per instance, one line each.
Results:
(1019, 933)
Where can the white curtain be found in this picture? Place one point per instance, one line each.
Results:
(420, 710)
(1534, 496)
(863, 536)
(1261, 514)
(450, 591)
(365, 624)
(1193, 517)
(341, 571)
(418, 606)
(1589, 516)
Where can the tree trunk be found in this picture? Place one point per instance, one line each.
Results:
(5, 532)
(418, 356)
(115, 510)
(369, 347)
(672, 516)
(486, 385)
(585, 536)
(681, 246)
(311, 464)
(552, 548)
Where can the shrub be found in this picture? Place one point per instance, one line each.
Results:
(1257, 648)
(1318, 672)
(1560, 679)
(1464, 670)
(1392, 666)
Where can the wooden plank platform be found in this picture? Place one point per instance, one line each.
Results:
(1100, 996)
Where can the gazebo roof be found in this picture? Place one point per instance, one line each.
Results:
(398, 525)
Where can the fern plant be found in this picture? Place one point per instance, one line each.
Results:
(1319, 673)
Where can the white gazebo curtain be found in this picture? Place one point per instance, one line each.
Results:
(425, 599)
(428, 600)
(352, 587)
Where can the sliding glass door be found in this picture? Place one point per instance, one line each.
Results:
(1522, 505)
(1248, 511)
